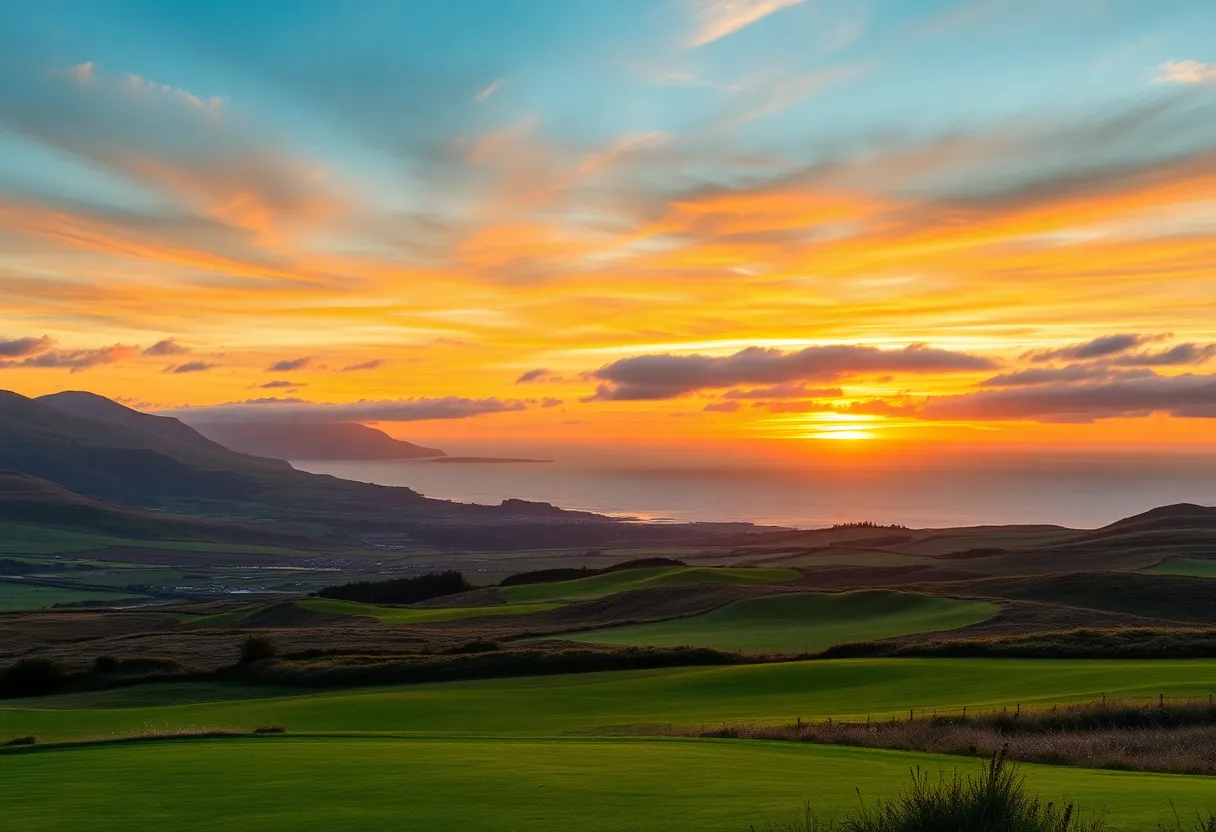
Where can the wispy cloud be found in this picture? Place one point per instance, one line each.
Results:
(1186, 72)
(400, 410)
(191, 367)
(485, 92)
(74, 361)
(169, 346)
(287, 365)
(718, 18)
(374, 364)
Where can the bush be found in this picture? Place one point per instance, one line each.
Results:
(15, 741)
(31, 677)
(400, 590)
(255, 649)
(270, 729)
(994, 801)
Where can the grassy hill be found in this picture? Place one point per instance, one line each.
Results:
(611, 583)
(801, 622)
(27, 501)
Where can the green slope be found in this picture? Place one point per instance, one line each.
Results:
(595, 702)
(599, 586)
(801, 622)
(540, 786)
(408, 615)
(20, 595)
(1190, 567)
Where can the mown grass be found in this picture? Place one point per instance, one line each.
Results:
(611, 583)
(593, 785)
(1191, 567)
(22, 595)
(802, 622)
(410, 615)
(617, 702)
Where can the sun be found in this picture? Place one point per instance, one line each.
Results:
(843, 435)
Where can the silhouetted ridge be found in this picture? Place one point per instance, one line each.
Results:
(100, 409)
(330, 440)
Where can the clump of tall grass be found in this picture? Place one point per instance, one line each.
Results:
(1170, 737)
(996, 800)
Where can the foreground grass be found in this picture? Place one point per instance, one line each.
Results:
(611, 583)
(366, 785)
(801, 623)
(21, 595)
(617, 702)
(407, 615)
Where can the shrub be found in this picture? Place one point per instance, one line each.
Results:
(270, 729)
(19, 741)
(31, 677)
(255, 649)
(400, 590)
(994, 801)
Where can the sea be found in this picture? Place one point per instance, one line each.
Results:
(1078, 491)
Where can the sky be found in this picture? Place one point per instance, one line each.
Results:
(906, 224)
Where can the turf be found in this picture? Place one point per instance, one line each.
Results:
(610, 583)
(296, 783)
(1192, 567)
(20, 595)
(595, 703)
(409, 615)
(803, 622)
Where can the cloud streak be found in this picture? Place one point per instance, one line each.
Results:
(399, 410)
(717, 19)
(665, 376)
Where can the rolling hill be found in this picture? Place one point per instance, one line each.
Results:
(327, 441)
(29, 501)
(100, 409)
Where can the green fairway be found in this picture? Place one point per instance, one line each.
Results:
(594, 703)
(803, 622)
(407, 615)
(298, 783)
(610, 583)
(20, 595)
(1191, 567)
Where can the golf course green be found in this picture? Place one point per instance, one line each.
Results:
(593, 785)
(802, 622)
(610, 583)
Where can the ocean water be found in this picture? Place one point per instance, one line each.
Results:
(1079, 492)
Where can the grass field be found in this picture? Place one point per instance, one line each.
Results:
(36, 540)
(544, 754)
(20, 595)
(1192, 567)
(808, 622)
(599, 586)
(598, 703)
(293, 783)
(406, 615)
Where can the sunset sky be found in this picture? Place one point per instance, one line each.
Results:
(919, 222)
